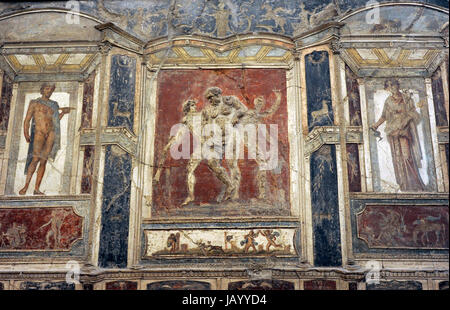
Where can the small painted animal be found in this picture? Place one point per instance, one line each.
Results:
(318, 115)
(423, 227)
(118, 113)
(213, 249)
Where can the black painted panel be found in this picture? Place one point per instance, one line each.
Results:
(318, 90)
(122, 91)
(115, 209)
(395, 285)
(325, 207)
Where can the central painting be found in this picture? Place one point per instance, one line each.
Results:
(221, 144)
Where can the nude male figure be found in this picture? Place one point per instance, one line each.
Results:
(189, 112)
(44, 116)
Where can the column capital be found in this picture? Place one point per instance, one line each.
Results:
(105, 47)
(336, 46)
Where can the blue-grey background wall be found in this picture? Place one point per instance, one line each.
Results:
(154, 18)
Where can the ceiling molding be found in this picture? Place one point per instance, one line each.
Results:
(194, 50)
(379, 5)
(36, 63)
(49, 10)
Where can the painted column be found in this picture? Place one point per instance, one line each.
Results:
(149, 121)
(365, 123)
(293, 77)
(320, 108)
(434, 140)
(444, 75)
(76, 142)
(342, 113)
(116, 193)
(2, 132)
(9, 134)
(1, 80)
(318, 90)
(137, 185)
(100, 103)
(325, 207)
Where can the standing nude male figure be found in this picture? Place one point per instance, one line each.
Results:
(44, 140)
(189, 112)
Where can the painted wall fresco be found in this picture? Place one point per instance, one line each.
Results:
(320, 285)
(28, 229)
(354, 105)
(318, 90)
(325, 208)
(400, 147)
(395, 285)
(404, 226)
(261, 285)
(438, 98)
(113, 246)
(88, 101)
(389, 230)
(179, 285)
(122, 91)
(121, 285)
(353, 168)
(220, 243)
(188, 187)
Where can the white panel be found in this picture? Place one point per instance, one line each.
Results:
(75, 59)
(52, 180)
(25, 60)
(50, 59)
(367, 54)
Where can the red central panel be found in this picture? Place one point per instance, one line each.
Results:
(177, 86)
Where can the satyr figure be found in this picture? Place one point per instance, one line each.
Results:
(256, 117)
(44, 140)
(55, 223)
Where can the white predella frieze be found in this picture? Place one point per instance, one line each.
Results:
(220, 242)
